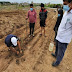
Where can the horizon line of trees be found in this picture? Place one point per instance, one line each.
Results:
(22, 4)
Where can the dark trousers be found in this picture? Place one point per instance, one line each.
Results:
(32, 25)
(55, 34)
(60, 50)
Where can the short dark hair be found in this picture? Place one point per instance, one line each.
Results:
(42, 5)
(31, 4)
(68, 1)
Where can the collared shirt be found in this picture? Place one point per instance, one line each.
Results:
(64, 34)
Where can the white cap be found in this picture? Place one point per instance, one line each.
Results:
(14, 41)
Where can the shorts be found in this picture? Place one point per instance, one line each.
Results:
(42, 23)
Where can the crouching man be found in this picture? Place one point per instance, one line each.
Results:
(13, 43)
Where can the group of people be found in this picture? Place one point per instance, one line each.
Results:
(32, 16)
(63, 30)
(13, 42)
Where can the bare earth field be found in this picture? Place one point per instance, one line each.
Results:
(36, 56)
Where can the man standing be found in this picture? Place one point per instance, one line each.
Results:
(60, 15)
(43, 16)
(32, 19)
(12, 42)
(64, 34)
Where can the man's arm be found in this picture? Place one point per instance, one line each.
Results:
(39, 16)
(19, 46)
(27, 15)
(46, 14)
(13, 50)
(46, 17)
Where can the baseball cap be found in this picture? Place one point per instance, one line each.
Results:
(14, 41)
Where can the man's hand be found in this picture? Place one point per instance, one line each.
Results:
(17, 52)
(26, 18)
(21, 51)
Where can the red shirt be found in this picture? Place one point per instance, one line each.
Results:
(32, 16)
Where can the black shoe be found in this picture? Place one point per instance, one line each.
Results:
(53, 55)
(54, 64)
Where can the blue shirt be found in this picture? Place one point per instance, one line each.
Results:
(8, 40)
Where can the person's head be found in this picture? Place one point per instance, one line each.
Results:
(42, 6)
(66, 2)
(58, 7)
(31, 7)
(67, 5)
(14, 41)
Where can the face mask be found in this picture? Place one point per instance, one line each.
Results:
(58, 15)
(31, 9)
(66, 7)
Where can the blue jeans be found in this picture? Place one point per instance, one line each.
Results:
(60, 50)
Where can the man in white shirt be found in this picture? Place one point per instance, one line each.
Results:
(64, 34)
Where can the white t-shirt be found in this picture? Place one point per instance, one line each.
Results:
(64, 34)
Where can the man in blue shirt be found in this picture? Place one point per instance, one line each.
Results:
(12, 42)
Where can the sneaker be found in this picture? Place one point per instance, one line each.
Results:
(33, 35)
(53, 55)
(29, 36)
(54, 64)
